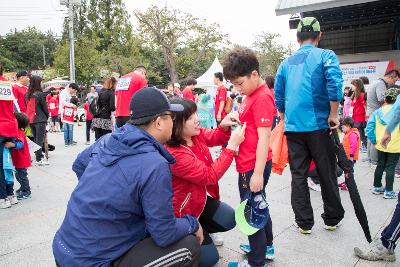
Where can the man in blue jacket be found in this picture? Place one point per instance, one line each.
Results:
(308, 88)
(120, 214)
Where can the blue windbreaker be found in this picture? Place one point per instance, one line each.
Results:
(305, 84)
(124, 195)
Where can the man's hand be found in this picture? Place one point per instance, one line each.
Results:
(9, 145)
(386, 139)
(256, 182)
(199, 234)
(333, 121)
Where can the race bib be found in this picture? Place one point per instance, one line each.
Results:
(52, 106)
(123, 84)
(6, 92)
(68, 112)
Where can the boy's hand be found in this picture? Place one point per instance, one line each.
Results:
(256, 182)
(9, 145)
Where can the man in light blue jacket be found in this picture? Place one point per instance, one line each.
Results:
(308, 89)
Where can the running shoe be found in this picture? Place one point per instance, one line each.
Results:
(240, 264)
(389, 195)
(218, 240)
(375, 252)
(334, 227)
(378, 190)
(23, 195)
(13, 199)
(301, 230)
(5, 203)
(269, 251)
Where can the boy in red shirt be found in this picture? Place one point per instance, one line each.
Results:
(68, 121)
(52, 104)
(187, 93)
(220, 97)
(21, 157)
(253, 162)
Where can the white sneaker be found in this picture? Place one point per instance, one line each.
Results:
(333, 228)
(313, 186)
(13, 199)
(5, 203)
(218, 240)
(42, 163)
(87, 143)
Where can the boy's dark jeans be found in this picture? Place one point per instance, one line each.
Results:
(264, 237)
(22, 177)
(3, 192)
(386, 162)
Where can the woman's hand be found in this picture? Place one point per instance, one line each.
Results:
(237, 137)
(230, 120)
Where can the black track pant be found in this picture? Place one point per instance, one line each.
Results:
(303, 147)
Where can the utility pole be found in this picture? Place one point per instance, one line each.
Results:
(71, 42)
(44, 56)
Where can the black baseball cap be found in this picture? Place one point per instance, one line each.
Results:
(22, 73)
(147, 103)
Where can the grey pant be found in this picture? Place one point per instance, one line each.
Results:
(372, 153)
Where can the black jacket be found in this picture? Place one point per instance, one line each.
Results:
(106, 103)
(42, 113)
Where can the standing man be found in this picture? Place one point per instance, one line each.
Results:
(92, 93)
(121, 214)
(126, 87)
(375, 100)
(65, 97)
(220, 97)
(20, 88)
(187, 93)
(308, 88)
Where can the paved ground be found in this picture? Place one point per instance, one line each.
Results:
(27, 229)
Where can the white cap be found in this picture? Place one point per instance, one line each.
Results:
(177, 85)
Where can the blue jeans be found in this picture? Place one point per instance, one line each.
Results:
(264, 237)
(68, 133)
(391, 233)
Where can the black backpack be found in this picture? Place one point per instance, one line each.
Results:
(94, 105)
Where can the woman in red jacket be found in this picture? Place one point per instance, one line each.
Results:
(195, 175)
(358, 103)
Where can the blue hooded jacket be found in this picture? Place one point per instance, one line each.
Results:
(305, 84)
(124, 195)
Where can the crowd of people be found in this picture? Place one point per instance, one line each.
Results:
(148, 189)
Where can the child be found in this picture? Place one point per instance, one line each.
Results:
(21, 158)
(253, 162)
(347, 102)
(203, 112)
(53, 110)
(358, 103)
(68, 121)
(89, 118)
(387, 157)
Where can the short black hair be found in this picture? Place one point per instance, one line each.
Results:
(219, 75)
(348, 121)
(181, 117)
(141, 67)
(393, 73)
(270, 81)
(304, 36)
(74, 100)
(364, 79)
(74, 86)
(22, 119)
(191, 81)
(239, 62)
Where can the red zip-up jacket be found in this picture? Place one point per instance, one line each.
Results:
(21, 157)
(192, 178)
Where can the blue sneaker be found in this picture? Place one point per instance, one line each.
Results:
(390, 195)
(269, 251)
(378, 190)
(240, 264)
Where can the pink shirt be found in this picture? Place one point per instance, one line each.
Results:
(353, 143)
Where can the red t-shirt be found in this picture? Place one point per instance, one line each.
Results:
(19, 92)
(89, 116)
(257, 110)
(21, 157)
(52, 105)
(8, 122)
(220, 95)
(127, 86)
(188, 94)
(69, 114)
(359, 108)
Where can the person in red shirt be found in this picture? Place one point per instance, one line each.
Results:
(220, 97)
(253, 162)
(359, 115)
(20, 88)
(126, 87)
(89, 118)
(68, 121)
(195, 175)
(21, 158)
(187, 93)
(52, 105)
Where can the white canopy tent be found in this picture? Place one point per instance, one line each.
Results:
(206, 81)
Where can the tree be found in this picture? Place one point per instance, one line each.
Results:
(270, 52)
(177, 34)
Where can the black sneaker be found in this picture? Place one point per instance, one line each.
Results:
(23, 195)
(19, 190)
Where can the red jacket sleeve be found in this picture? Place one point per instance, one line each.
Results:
(215, 137)
(192, 169)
